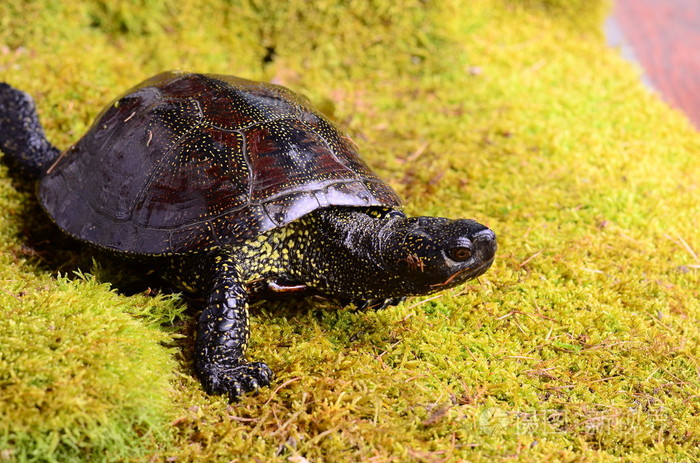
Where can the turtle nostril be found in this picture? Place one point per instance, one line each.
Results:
(484, 236)
(485, 244)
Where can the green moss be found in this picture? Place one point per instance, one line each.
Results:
(80, 377)
(579, 344)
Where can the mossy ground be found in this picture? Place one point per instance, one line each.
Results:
(580, 344)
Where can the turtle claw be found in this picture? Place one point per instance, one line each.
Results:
(237, 381)
(391, 302)
(377, 304)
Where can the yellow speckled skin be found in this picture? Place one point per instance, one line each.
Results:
(232, 188)
(346, 253)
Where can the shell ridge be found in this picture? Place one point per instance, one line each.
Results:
(330, 148)
(159, 164)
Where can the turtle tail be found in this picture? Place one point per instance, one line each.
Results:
(22, 139)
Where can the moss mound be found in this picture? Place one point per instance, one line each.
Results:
(581, 343)
(80, 377)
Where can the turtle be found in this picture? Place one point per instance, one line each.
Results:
(237, 190)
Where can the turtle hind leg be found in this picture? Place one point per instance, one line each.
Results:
(22, 138)
(376, 304)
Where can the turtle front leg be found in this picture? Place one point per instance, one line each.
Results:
(222, 337)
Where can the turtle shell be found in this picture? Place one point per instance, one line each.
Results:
(188, 162)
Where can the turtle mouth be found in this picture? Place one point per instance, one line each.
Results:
(464, 275)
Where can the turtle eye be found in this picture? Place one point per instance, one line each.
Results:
(459, 254)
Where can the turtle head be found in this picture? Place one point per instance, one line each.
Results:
(432, 253)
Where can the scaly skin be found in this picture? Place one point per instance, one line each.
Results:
(222, 336)
(22, 139)
(338, 252)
